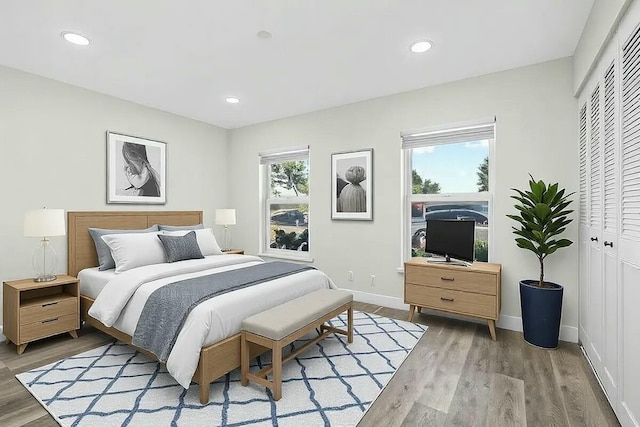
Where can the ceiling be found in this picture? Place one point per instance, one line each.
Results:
(187, 56)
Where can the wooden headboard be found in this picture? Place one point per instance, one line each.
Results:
(82, 250)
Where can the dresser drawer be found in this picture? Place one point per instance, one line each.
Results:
(49, 309)
(467, 303)
(467, 281)
(49, 327)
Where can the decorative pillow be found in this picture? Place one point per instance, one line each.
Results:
(105, 259)
(134, 250)
(180, 227)
(180, 248)
(206, 240)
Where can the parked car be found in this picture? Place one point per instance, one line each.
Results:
(289, 217)
(459, 214)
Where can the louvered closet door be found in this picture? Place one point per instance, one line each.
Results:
(595, 283)
(583, 228)
(629, 241)
(610, 137)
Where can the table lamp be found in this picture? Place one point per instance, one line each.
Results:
(44, 223)
(226, 217)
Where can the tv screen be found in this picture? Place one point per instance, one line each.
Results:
(452, 238)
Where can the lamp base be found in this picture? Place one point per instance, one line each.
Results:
(45, 278)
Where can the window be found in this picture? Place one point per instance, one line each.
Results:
(447, 175)
(285, 196)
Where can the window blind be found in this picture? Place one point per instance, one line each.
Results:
(460, 133)
(283, 155)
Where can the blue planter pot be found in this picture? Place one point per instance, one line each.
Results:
(541, 311)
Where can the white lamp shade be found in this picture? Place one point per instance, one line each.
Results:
(44, 223)
(225, 217)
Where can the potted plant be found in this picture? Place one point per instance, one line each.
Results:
(542, 218)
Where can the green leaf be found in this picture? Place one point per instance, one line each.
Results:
(563, 243)
(525, 244)
(542, 211)
(550, 193)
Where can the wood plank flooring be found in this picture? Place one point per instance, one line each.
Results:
(456, 376)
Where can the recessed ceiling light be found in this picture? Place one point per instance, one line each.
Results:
(75, 38)
(421, 46)
(232, 100)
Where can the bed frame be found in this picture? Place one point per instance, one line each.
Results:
(215, 360)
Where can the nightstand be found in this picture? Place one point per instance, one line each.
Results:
(34, 310)
(234, 251)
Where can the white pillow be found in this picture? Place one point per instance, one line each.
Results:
(205, 237)
(135, 250)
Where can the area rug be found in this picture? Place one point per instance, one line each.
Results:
(330, 384)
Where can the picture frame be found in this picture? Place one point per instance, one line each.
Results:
(352, 185)
(136, 170)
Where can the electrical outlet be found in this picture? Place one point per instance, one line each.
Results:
(373, 280)
(350, 276)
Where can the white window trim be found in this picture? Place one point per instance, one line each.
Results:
(265, 160)
(407, 196)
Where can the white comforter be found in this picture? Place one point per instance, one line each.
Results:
(121, 302)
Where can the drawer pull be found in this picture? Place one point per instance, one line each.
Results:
(608, 243)
(50, 320)
(50, 303)
(448, 279)
(446, 299)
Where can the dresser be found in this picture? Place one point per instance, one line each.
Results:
(472, 291)
(33, 310)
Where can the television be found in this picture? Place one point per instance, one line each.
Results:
(451, 239)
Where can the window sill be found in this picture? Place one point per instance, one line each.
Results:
(283, 256)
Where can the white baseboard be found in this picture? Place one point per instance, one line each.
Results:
(512, 323)
(383, 300)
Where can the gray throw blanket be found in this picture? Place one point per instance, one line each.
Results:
(167, 308)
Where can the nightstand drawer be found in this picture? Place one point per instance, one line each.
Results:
(466, 281)
(50, 308)
(49, 327)
(452, 301)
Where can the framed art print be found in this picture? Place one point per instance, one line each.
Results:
(136, 170)
(352, 185)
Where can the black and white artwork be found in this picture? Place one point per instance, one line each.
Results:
(136, 170)
(352, 185)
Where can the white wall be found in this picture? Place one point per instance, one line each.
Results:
(603, 19)
(536, 132)
(53, 153)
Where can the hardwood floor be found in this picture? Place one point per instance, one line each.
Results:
(455, 376)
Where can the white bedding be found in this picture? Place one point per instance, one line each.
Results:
(92, 281)
(121, 302)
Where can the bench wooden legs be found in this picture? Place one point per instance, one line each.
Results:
(244, 359)
(276, 376)
(276, 346)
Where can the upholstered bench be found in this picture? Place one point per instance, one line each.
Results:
(281, 325)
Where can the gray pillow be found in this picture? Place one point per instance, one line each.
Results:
(105, 259)
(180, 227)
(180, 248)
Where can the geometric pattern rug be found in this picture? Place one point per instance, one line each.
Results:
(330, 384)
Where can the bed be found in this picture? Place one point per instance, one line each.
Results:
(215, 358)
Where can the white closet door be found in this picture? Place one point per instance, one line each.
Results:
(595, 283)
(629, 242)
(610, 169)
(583, 230)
